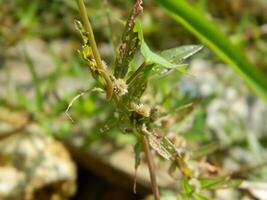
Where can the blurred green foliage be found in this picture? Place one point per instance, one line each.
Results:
(53, 20)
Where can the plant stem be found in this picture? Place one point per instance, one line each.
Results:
(151, 167)
(92, 42)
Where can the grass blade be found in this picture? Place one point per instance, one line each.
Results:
(205, 30)
(36, 81)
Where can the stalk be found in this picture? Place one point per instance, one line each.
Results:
(151, 167)
(109, 90)
(92, 42)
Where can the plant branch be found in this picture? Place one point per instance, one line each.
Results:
(92, 42)
(151, 167)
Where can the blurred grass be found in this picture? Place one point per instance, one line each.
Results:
(198, 24)
(36, 82)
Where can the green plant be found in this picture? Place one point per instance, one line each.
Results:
(125, 87)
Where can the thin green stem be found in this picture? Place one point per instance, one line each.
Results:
(90, 33)
(92, 42)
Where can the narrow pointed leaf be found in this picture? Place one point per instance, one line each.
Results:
(188, 189)
(199, 197)
(219, 182)
(138, 85)
(181, 53)
(211, 182)
(161, 64)
(129, 43)
(137, 151)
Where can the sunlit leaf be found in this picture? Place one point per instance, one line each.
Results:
(188, 189)
(161, 71)
(161, 65)
(152, 57)
(181, 53)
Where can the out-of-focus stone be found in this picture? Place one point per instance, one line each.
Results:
(33, 165)
(234, 111)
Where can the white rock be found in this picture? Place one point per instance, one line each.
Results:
(33, 161)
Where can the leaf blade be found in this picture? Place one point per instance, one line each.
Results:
(161, 65)
(129, 43)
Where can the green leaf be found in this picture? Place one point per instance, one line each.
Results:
(182, 197)
(138, 85)
(137, 152)
(211, 182)
(179, 54)
(219, 182)
(188, 189)
(205, 150)
(129, 43)
(151, 57)
(162, 65)
(199, 197)
(205, 30)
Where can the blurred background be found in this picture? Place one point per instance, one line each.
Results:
(43, 155)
